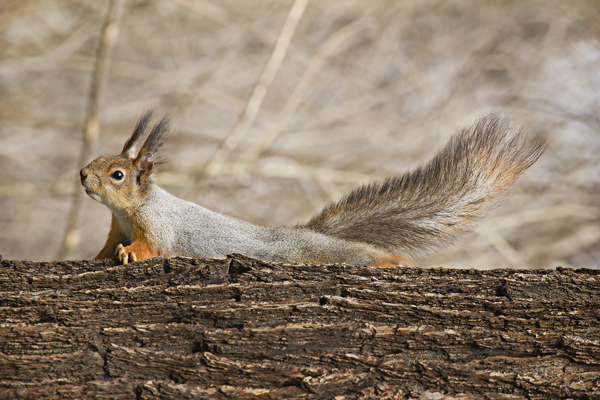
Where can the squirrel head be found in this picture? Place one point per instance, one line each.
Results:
(123, 181)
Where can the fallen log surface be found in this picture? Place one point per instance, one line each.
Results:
(244, 329)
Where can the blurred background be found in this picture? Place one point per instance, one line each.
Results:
(279, 107)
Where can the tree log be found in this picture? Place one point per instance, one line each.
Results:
(245, 329)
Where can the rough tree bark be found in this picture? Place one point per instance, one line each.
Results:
(244, 329)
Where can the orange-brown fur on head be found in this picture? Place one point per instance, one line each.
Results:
(121, 182)
(100, 178)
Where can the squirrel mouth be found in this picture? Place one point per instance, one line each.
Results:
(92, 194)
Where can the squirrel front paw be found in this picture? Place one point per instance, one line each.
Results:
(138, 250)
(125, 256)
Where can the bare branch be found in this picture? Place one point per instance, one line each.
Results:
(110, 30)
(331, 45)
(214, 165)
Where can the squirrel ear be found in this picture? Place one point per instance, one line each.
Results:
(145, 160)
(135, 142)
(145, 167)
(157, 137)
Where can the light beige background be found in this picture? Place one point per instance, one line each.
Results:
(366, 89)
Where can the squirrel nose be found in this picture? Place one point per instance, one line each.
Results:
(83, 174)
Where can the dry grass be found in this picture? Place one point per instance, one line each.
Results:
(360, 90)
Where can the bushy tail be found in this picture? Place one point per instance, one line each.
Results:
(430, 206)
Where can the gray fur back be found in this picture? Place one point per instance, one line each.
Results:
(182, 228)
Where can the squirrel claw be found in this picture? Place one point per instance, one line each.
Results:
(124, 256)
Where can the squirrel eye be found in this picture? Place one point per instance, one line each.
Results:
(118, 175)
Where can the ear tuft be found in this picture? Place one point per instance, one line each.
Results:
(135, 142)
(145, 159)
(157, 137)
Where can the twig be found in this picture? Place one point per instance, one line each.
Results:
(214, 165)
(491, 228)
(279, 170)
(332, 44)
(509, 252)
(110, 30)
(580, 242)
(538, 215)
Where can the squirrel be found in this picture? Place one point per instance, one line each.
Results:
(380, 224)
